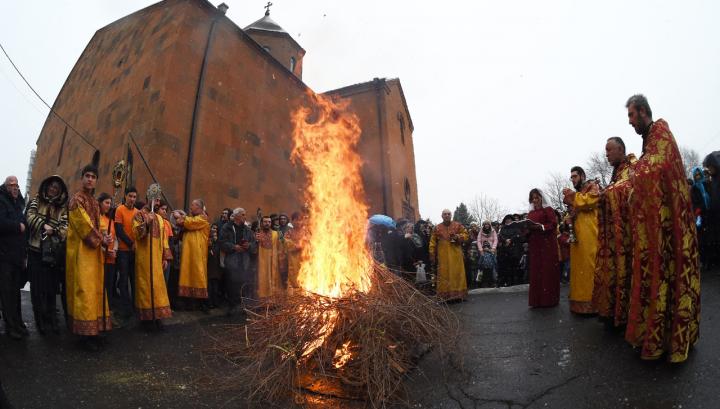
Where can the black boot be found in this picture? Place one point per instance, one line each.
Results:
(54, 325)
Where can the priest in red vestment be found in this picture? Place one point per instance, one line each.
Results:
(664, 312)
(613, 266)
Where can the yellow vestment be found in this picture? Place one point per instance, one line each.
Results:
(84, 271)
(584, 250)
(160, 251)
(268, 280)
(451, 282)
(194, 257)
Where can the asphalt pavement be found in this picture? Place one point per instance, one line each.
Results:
(510, 356)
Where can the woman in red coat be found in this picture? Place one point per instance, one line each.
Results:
(543, 253)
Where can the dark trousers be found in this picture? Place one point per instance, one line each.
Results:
(110, 285)
(10, 277)
(126, 281)
(43, 289)
(239, 286)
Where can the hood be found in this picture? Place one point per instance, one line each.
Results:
(62, 199)
(713, 159)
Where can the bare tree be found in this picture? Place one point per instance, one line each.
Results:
(554, 185)
(484, 207)
(690, 159)
(598, 167)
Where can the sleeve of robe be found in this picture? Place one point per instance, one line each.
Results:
(433, 245)
(195, 222)
(550, 222)
(81, 223)
(139, 227)
(34, 219)
(586, 201)
(463, 234)
(167, 254)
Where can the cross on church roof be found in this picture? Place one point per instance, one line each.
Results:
(267, 8)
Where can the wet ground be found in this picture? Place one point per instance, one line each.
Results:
(512, 357)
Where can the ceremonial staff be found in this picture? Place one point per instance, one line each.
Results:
(153, 193)
(104, 287)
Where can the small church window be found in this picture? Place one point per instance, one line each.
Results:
(408, 192)
(401, 121)
(62, 147)
(96, 159)
(292, 64)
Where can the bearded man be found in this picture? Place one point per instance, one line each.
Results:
(269, 281)
(583, 202)
(664, 314)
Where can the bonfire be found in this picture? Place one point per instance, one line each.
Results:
(355, 329)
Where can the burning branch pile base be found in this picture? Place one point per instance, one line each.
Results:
(359, 346)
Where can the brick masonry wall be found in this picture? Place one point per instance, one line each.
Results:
(140, 75)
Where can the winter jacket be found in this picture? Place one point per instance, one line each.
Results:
(45, 210)
(12, 241)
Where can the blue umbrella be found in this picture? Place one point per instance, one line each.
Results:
(382, 220)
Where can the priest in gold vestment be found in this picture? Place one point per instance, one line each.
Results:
(583, 202)
(269, 282)
(194, 255)
(446, 253)
(150, 232)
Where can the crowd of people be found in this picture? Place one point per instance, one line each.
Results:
(632, 251)
(629, 250)
(113, 265)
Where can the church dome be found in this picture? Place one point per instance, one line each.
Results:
(266, 24)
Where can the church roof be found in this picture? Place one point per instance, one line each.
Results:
(266, 24)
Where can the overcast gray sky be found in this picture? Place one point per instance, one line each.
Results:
(501, 93)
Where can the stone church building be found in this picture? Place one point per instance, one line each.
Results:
(183, 96)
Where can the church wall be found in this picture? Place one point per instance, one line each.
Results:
(281, 48)
(242, 155)
(140, 74)
(364, 105)
(115, 87)
(401, 157)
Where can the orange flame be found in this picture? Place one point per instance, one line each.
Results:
(335, 260)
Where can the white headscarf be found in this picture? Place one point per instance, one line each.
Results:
(545, 201)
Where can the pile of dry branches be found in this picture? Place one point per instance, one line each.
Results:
(302, 343)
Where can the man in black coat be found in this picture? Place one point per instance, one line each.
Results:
(238, 242)
(712, 214)
(12, 255)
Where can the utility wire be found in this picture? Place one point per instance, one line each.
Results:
(43, 101)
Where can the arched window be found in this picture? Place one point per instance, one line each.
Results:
(292, 64)
(401, 121)
(408, 192)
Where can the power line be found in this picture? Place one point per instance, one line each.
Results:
(43, 101)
